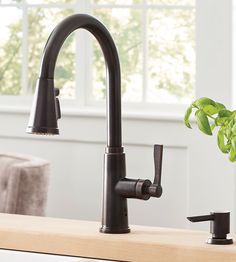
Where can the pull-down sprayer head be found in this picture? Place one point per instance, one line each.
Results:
(45, 109)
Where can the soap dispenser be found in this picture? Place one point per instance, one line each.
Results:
(219, 227)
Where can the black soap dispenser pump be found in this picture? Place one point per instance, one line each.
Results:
(219, 227)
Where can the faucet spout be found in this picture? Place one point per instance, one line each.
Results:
(47, 68)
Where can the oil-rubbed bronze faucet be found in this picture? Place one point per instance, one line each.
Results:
(46, 111)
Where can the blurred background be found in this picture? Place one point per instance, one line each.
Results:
(171, 52)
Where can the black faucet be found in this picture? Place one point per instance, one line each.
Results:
(46, 111)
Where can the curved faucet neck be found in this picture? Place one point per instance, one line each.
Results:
(50, 54)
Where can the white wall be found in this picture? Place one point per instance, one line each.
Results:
(196, 177)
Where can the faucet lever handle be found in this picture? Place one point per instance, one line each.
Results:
(155, 190)
(158, 153)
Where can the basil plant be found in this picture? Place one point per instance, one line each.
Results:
(211, 115)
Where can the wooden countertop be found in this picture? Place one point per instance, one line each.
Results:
(82, 238)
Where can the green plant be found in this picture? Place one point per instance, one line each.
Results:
(209, 115)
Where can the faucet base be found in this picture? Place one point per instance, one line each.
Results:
(114, 208)
(108, 230)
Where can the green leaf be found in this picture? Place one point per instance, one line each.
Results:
(210, 110)
(224, 116)
(225, 113)
(219, 106)
(221, 141)
(234, 129)
(228, 132)
(231, 123)
(202, 122)
(202, 102)
(187, 115)
(233, 143)
(219, 121)
(213, 127)
(232, 153)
